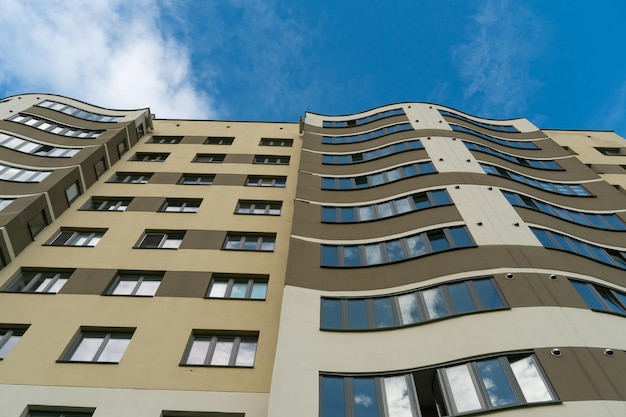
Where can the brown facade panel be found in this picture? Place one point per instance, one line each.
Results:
(151, 204)
(532, 289)
(230, 179)
(304, 270)
(184, 284)
(203, 239)
(239, 158)
(18, 227)
(585, 374)
(193, 140)
(307, 223)
(89, 281)
(58, 197)
(165, 178)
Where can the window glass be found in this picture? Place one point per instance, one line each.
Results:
(357, 315)
(530, 380)
(588, 295)
(495, 382)
(218, 289)
(397, 397)
(384, 210)
(366, 213)
(438, 240)
(222, 352)
(383, 312)
(373, 254)
(435, 304)
(488, 294)
(239, 289)
(329, 214)
(440, 197)
(331, 314)
(416, 246)
(421, 201)
(394, 250)
(246, 353)
(409, 308)
(365, 403)
(461, 299)
(464, 395)
(259, 290)
(403, 205)
(330, 256)
(609, 300)
(351, 256)
(347, 214)
(333, 397)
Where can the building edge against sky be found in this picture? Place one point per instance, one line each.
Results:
(409, 260)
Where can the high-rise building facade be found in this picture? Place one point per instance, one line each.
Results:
(410, 260)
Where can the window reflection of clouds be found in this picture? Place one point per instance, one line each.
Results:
(397, 396)
(530, 381)
(495, 383)
(409, 309)
(462, 388)
(435, 304)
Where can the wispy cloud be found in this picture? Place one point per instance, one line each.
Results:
(504, 39)
(110, 53)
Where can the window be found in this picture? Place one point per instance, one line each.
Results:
(221, 350)
(396, 250)
(162, 240)
(485, 384)
(9, 338)
(4, 202)
(531, 163)
(611, 151)
(379, 178)
(108, 204)
(52, 127)
(358, 157)
(215, 158)
(181, 205)
(251, 287)
(99, 346)
(363, 120)
(33, 148)
(499, 128)
(409, 309)
(271, 208)
(37, 224)
(601, 298)
(276, 142)
(10, 173)
(49, 282)
(362, 137)
(518, 144)
(551, 187)
(165, 139)
(99, 168)
(384, 209)
(258, 181)
(271, 160)
(250, 241)
(139, 285)
(77, 238)
(197, 179)
(595, 220)
(131, 177)
(553, 240)
(150, 156)
(218, 140)
(81, 114)
(72, 192)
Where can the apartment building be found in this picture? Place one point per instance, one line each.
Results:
(409, 260)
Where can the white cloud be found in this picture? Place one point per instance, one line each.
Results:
(503, 41)
(111, 53)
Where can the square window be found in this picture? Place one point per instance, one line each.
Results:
(48, 282)
(251, 242)
(166, 139)
(219, 140)
(611, 151)
(9, 336)
(138, 285)
(276, 142)
(197, 179)
(107, 204)
(187, 205)
(215, 158)
(37, 224)
(99, 167)
(238, 286)
(271, 208)
(161, 240)
(87, 238)
(150, 156)
(72, 192)
(221, 349)
(97, 346)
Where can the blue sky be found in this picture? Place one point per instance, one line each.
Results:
(561, 64)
